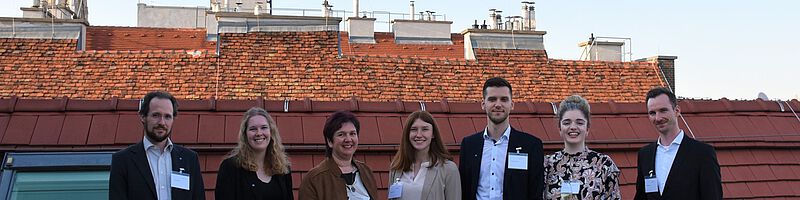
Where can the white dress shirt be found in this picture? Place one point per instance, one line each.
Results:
(665, 155)
(160, 167)
(413, 185)
(493, 166)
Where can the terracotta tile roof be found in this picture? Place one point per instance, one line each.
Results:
(754, 164)
(385, 46)
(143, 38)
(305, 65)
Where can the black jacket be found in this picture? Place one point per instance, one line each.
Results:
(694, 173)
(236, 183)
(131, 178)
(517, 184)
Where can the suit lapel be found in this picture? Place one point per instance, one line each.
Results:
(140, 160)
(650, 159)
(477, 156)
(430, 175)
(678, 163)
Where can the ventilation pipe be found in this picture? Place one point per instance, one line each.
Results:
(493, 18)
(531, 19)
(432, 16)
(326, 9)
(238, 6)
(526, 14)
(499, 19)
(411, 10)
(355, 8)
(257, 8)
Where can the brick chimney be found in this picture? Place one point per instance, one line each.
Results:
(667, 66)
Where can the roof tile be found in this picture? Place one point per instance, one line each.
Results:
(291, 129)
(390, 130)
(211, 129)
(184, 129)
(232, 125)
(103, 129)
(20, 129)
(75, 130)
(312, 130)
(129, 129)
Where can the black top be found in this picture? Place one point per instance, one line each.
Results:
(237, 183)
(271, 190)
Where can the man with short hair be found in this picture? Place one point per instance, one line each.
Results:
(675, 166)
(156, 168)
(501, 162)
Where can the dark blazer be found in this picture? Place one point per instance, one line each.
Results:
(517, 184)
(131, 178)
(235, 182)
(694, 173)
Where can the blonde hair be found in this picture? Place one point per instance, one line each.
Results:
(275, 159)
(574, 102)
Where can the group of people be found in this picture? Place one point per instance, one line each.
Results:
(499, 162)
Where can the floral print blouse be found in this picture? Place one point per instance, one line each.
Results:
(597, 173)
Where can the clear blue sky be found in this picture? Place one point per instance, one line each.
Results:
(732, 49)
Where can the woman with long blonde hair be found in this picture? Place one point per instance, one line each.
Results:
(257, 168)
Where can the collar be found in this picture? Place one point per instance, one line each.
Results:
(148, 144)
(576, 154)
(678, 139)
(332, 167)
(505, 135)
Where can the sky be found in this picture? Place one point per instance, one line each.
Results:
(733, 49)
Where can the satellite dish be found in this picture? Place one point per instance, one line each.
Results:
(763, 96)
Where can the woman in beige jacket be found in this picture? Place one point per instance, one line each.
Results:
(422, 168)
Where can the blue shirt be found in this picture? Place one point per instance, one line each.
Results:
(493, 166)
(160, 167)
(665, 155)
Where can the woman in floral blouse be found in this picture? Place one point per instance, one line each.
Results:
(576, 172)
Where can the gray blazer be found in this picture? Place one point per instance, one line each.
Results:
(441, 182)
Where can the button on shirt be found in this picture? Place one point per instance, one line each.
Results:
(665, 155)
(160, 167)
(493, 166)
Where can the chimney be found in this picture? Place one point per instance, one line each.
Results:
(411, 10)
(666, 66)
(603, 48)
(528, 18)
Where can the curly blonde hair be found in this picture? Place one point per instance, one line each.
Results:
(275, 160)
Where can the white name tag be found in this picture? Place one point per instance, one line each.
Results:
(396, 190)
(570, 187)
(518, 161)
(650, 185)
(179, 180)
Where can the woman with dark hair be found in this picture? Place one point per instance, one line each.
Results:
(339, 176)
(422, 168)
(576, 172)
(257, 168)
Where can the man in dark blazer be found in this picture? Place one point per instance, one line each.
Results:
(675, 166)
(155, 168)
(500, 162)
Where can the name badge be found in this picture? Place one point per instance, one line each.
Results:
(179, 180)
(570, 187)
(396, 190)
(650, 184)
(518, 161)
